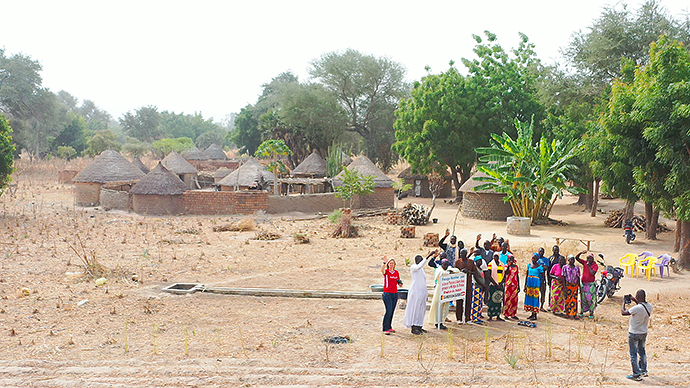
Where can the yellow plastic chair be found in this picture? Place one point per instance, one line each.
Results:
(629, 261)
(648, 266)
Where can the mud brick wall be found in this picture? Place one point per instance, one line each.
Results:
(157, 204)
(87, 193)
(381, 197)
(224, 202)
(307, 203)
(485, 206)
(117, 200)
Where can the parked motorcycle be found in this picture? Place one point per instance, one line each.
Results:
(609, 282)
(629, 233)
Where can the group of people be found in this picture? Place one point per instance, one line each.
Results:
(493, 278)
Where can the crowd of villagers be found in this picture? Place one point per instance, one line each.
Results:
(493, 280)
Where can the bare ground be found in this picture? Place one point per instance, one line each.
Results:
(59, 329)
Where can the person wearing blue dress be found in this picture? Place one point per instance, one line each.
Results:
(532, 285)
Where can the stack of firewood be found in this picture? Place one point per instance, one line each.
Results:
(414, 214)
(616, 219)
(407, 231)
(431, 240)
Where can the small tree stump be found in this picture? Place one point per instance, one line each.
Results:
(431, 240)
(407, 231)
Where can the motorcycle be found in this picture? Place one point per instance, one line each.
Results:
(629, 233)
(609, 282)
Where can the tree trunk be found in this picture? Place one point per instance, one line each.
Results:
(648, 211)
(433, 205)
(456, 182)
(629, 210)
(679, 232)
(653, 226)
(684, 255)
(595, 197)
(589, 197)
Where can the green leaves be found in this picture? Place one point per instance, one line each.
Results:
(353, 184)
(532, 176)
(6, 153)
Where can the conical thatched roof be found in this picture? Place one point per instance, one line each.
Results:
(213, 152)
(247, 174)
(365, 167)
(160, 181)
(346, 159)
(177, 165)
(313, 165)
(109, 166)
(140, 165)
(470, 184)
(222, 173)
(194, 154)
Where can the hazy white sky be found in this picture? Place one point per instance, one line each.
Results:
(212, 56)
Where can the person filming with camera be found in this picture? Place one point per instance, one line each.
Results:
(637, 332)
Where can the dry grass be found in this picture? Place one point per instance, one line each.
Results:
(243, 225)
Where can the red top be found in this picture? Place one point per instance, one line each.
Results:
(586, 276)
(390, 281)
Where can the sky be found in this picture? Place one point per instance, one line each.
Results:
(211, 57)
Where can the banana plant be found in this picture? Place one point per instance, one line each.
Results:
(533, 176)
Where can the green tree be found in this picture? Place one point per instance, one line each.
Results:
(246, 134)
(531, 176)
(369, 89)
(273, 149)
(20, 79)
(353, 184)
(135, 148)
(663, 100)
(72, 133)
(438, 126)
(144, 124)
(96, 119)
(163, 147)
(102, 141)
(207, 138)
(6, 153)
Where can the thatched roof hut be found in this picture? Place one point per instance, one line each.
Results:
(178, 165)
(483, 204)
(383, 195)
(244, 177)
(159, 192)
(140, 165)
(365, 166)
(194, 154)
(214, 152)
(220, 174)
(159, 181)
(313, 166)
(109, 166)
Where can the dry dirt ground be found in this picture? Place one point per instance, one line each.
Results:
(59, 329)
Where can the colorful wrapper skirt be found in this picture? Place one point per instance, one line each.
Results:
(477, 303)
(557, 302)
(588, 297)
(532, 294)
(570, 299)
(495, 301)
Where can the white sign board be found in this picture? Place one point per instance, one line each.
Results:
(453, 287)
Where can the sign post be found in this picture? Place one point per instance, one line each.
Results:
(453, 287)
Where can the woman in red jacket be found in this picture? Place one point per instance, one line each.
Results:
(391, 280)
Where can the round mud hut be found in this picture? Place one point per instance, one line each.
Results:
(251, 175)
(158, 193)
(214, 152)
(483, 204)
(182, 168)
(108, 168)
(312, 167)
(194, 154)
(383, 195)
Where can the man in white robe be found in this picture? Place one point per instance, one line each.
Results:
(417, 295)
